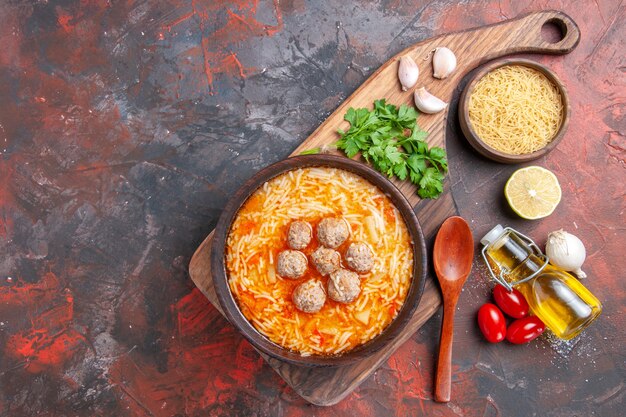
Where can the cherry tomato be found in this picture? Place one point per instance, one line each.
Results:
(491, 323)
(511, 303)
(524, 330)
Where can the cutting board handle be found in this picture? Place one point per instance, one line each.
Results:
(534, 41)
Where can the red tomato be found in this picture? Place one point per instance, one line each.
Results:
(491, 323)
(512, 303)
(524, 330)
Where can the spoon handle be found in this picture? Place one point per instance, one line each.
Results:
(444, 361)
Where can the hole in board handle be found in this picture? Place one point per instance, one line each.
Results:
(554, 30)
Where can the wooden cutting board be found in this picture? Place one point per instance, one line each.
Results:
(327, 386)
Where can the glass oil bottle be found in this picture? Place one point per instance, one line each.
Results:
(565, 305)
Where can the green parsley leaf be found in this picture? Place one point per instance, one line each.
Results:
(351, 147)
(393, 154)
(438, 158)
(415, 177)
(350, 117)
(401, 171)
(389, 138)
(431, 183)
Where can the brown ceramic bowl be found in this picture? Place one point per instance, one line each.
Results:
(229, 305)
(476, 141)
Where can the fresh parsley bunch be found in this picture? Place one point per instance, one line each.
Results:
(382, 136)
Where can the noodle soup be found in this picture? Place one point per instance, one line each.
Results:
(261, 232)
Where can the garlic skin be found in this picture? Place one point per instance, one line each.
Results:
(444, 62)
(408, 72)
(566, 251)
(427, 103)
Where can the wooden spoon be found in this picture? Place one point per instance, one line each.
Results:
(452, 256)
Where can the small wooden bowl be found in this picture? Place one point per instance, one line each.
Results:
(477, 142)
(229, 305)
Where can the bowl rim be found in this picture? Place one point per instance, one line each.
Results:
(229, 304)
(474, 139)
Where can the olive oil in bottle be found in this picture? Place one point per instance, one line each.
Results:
(556, 297)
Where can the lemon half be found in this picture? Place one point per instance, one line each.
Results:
(533, 192)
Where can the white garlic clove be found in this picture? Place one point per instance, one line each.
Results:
(566, 251)
(444, 63)
(427, 103)
(408, 72)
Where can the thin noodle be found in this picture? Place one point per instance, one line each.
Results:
(516, 109)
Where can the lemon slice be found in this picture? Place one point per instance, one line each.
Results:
(533, 192)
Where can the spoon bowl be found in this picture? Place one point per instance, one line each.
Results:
(452, 257)
(454, 250)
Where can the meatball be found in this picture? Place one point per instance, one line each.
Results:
(299, 235)
(291, 264)
(325, 260)
(344, 286)
(332, 232)
(309, 296)
(359, 257)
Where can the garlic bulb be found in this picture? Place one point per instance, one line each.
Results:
(444, 63)
(408, 72)
(427, 103)
(566, 251)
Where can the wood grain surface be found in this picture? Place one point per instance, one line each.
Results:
(327, 386)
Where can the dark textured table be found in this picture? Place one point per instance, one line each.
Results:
(125, 126)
